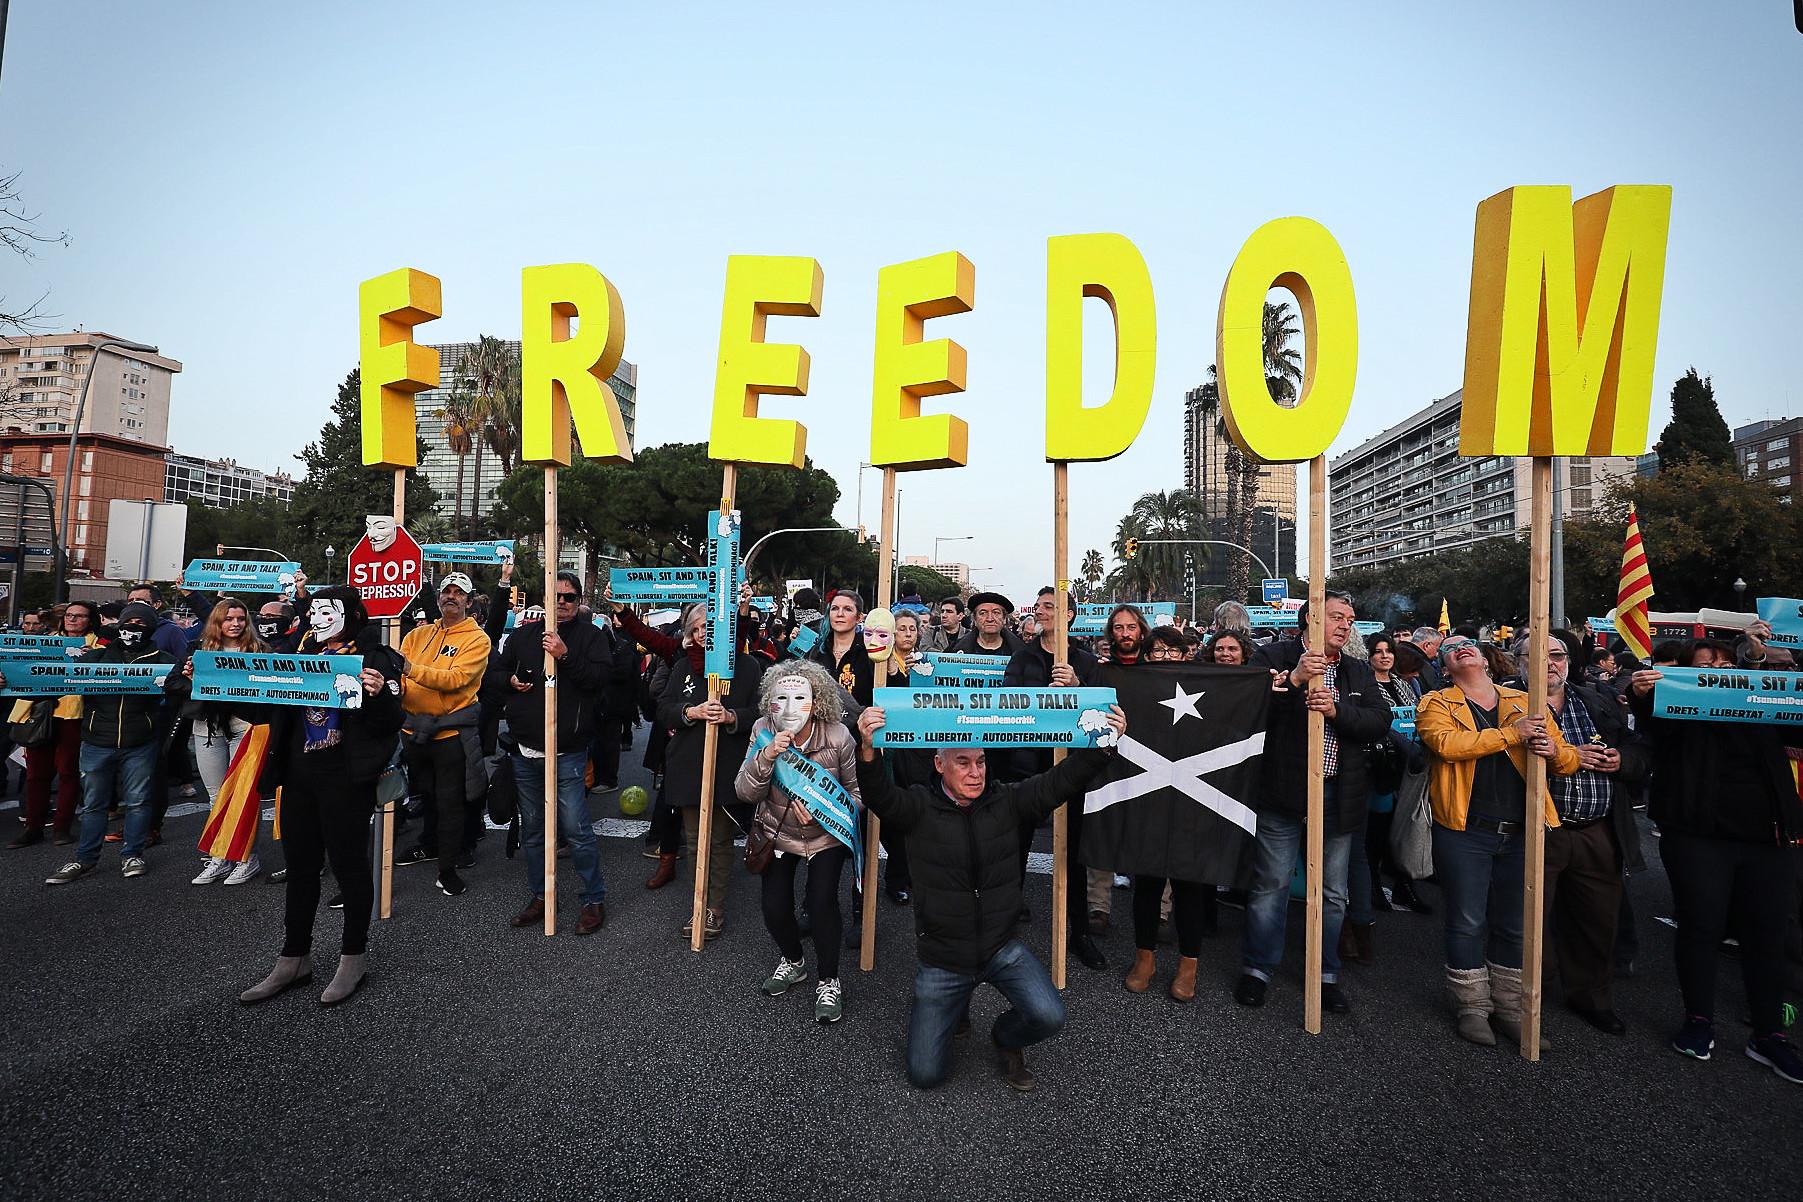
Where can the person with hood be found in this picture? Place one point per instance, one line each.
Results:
(581, 678)
(326, 763)
(443, 663)
(963, 835)
(805, 609)
(278, 625)
(990, 634)
(119, 751)
(174, 642)
(686, 708)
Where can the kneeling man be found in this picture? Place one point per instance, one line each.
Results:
(963, 840)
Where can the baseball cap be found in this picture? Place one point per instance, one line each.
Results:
(457, 580)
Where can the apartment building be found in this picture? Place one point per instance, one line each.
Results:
(41, 378)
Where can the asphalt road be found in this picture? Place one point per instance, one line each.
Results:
(481, 1061)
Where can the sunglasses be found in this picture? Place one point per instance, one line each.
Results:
(568, 598)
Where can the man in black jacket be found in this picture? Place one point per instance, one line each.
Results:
(1344, 691)
(1596, 840)
(963, 835)
(580, 678)
(118, 751)
(989, 634)
(1034, 667)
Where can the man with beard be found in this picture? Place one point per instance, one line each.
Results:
(1127, 634)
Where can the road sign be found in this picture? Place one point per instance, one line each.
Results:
(1276, 590)
(144, 539)
(388, 578)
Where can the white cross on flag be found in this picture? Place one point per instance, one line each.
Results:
(1176, 801)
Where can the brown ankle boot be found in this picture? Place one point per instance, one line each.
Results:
(1183, 985)
(663, 874)
(1139, 977)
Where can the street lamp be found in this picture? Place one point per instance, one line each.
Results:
(948, 538)
(1740, 591)
(81, 408)
(330, 551)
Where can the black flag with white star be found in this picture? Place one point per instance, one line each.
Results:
(1176, 801)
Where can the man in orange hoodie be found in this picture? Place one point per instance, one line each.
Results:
(444, 662)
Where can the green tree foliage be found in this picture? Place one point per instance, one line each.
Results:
(338, 491)
(1156, 573)
(1696, 433)
(1486, 581)
(653, 512)
(1703, 525)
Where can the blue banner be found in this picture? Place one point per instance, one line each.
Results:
(485, 551)
(1730, 695)
(1402, 720)
(658, 586)
(945, 670)
(1092, 616)
(723, 592)
(39, 646)
(54, 678)
(240, 575)
(804, 641)
(321, 681)
(764, 605)
(1272, 617)
(1785, 614)
(1046, 717)
(826, 799)
(1367, 629)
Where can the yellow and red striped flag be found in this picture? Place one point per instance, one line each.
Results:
(231, 829)
(1633, 593)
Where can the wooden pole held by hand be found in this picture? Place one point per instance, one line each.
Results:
(873, 826)
(1313, 942)
(550, 679)
(1540, 560)
(710, 757)
(1061, 548)
(394, 640)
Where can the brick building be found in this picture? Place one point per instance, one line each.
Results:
(107, 468)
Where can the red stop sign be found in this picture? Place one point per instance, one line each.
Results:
(388, 579)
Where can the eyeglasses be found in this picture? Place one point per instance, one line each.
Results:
(1558, 655)
(568, 598)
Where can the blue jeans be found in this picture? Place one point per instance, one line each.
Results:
(1480, 877)
(1268, 908)
(107, 772)
(942, 999)
(572, 822)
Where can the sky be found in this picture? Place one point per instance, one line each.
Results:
(229, 173)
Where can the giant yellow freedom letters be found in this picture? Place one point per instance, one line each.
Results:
(1564, 321)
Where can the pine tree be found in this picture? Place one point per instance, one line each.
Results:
(1697, 433)
(338, 492)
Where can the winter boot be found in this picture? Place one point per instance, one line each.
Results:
(1470, 989)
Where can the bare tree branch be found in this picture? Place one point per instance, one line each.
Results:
(20, 235)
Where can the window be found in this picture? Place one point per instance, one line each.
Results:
(1781, 481)
(1780, 461)
(44, 461)
(1753, 467)
(1777, 444)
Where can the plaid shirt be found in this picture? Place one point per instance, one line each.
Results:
(1330, 759)
(1584, 795)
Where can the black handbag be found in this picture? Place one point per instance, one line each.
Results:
(760, 842)
(38, 730)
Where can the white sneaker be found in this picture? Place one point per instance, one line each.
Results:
(243, 874)
(133, 866)
(212, 871)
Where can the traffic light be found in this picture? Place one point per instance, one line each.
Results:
(1132, 547)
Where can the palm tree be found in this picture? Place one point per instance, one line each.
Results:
(458, 439)
(1174, 514)
(489, 366)
(1092, 572)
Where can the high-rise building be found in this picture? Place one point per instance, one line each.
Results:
(107, 468)
(482, 469)
(41, 377)
(1407, 492)
(1205, 447)
(221, 481)
(1772, 451)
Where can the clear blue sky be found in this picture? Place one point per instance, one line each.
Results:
(230, 172)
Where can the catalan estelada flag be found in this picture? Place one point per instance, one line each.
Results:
(231, 830)
(1633, 593)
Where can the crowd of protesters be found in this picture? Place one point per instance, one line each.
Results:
(455, 719)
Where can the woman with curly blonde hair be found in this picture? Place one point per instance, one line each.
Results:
(801, 715)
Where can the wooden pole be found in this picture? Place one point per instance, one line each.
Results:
(1061, 830)
(873, 826)
(394, 640)
(1540, 559)
(550, 679)
(710, 759)
(1317, 746)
